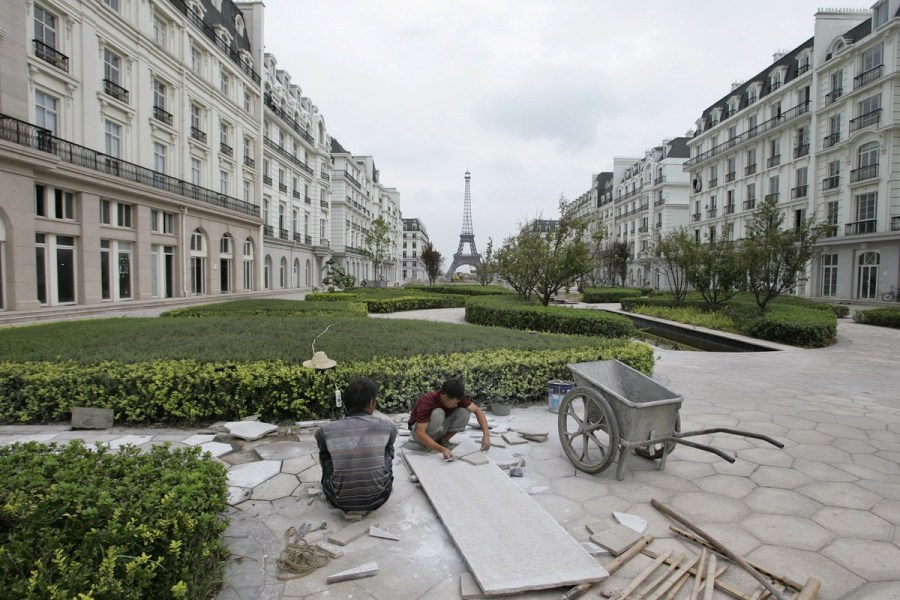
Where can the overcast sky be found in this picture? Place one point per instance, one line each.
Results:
(531, 96)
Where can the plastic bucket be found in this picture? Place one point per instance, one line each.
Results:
(556, 390)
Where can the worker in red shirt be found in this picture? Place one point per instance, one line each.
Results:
(440, 414)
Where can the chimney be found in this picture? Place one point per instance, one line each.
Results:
(735, 85)
(778, 55)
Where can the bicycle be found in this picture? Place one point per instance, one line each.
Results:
(891, 295)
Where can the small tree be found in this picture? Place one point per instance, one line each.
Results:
(776, 258)
(670, 255)
(615, 261)
(335, 275)
(433, 261)
(486, 271)
(377, 244)
(517, 261)
(714, 269)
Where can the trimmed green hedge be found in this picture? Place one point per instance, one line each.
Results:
(389, 305)
(187, 391)
(604, 295)
(465, 290)
(78, 522)
(883, 317)
(795, 325)
(510, 312)
(332, 297)
(271, 308)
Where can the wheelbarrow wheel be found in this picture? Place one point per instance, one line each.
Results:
(588, 430)
(655, 451)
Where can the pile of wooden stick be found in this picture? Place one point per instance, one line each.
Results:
(668, 574)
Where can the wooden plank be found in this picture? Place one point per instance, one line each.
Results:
(509, 542)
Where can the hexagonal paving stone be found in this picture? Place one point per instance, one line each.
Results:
(561, 509)
(888, 510)
(791, 532)
(200, 438)
(777, 501)
(767, 456)
(297, 465)
(726, 485)
(779, 477)
(820, 471)
(688, 471)
(279, 486)
(578, 489)
(849, 523)
(252, 474)
(285, 450)
(310, 475)
(877, 463)
(809, 436)
(709, 508)
(874, 561)
(846, 495)
(842, 431)
(732, 536)
(216, 448)
(636, 491)
(828, 454)
(877, 591)
(800, 564)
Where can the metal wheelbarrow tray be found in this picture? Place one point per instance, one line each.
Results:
(614, 410)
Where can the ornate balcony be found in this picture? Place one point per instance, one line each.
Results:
(714, 182)
(831, 183)
(161, 115)
(308, 200)
(249, 162)
(861, 227)
(711, 213)
(729, 209)
(870, 118)
(284, 234)
(773, 196)
(833, 95)
(773, 161)
(801, 150)
(282, 188)
(863, 173)
(696, 217)
(198, 135)
(296, 194)
(831, 140)
(323, 204)
(226, 149)
(867, 77)
(51, 55)
(111, 88)
(749, 204)
(801, 191)
(729, 176)
(268, 230)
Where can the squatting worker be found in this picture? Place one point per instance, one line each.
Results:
(356, 452)
(440, 414)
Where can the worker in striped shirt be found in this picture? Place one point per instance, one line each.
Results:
(356, 452)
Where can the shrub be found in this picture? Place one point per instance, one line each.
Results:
(270, 308)
(389, 305)
(688, 314)
(513, 313)
(332, 297)
(186, 391)
(465, 290)
(794, 325)
(884, 317)
(605, 295)
(77, 522)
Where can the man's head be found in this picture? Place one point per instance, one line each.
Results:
(452, 392)
(360, 395)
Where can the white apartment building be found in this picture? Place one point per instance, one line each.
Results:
(357, 199)
(649, 198)
(118, 122)
(815, 131)
(296, 175)
(415, 239)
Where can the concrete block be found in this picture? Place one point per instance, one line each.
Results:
(250, 430)
(330, 549)
(250, 475)
(350, 533)
(476, 458)
(617, 539)
(381, 533)
(365, 570)
(91, 418)
(200, 438)
(513, 439)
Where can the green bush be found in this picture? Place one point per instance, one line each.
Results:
(687, 314)
(510, 312)
(77, 522)
(332, 297)
(187, 391)
(401, 303)
(884, 317)
(603, 295)
(465, 290)
(270, 308)
(794, 325)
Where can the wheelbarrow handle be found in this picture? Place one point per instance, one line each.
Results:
(699, 446)
(749, 434)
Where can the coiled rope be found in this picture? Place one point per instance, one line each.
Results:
(299, 558)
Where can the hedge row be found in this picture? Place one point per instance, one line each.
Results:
(187, 391)
(465, 290)
(291, 308)
(605, 295)
(332, 297)
(511, 312)
(389, 305)
(884, 317)
(79, 522)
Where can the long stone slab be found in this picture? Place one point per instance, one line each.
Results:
(529, 551)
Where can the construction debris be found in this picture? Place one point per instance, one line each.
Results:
(381, 533)
(365, 570)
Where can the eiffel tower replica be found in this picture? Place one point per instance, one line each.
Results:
(472, 258)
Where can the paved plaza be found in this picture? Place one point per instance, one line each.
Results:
(826, 506)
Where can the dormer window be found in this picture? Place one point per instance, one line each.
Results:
(246, 57)
(775, 81)
(223, 36)
(716, 115)
(239, 24)
(753, 93)
(880, 14)
(734, 104)
(803, 63)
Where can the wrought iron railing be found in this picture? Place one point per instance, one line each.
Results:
(749, 204)
(867, 77)
(750, 169)
(289, 120)
(870, 118)
(800, 191)
(38, 138)
(861, 227)
(160, 114)
(51, 55)
(863, 173)
(226, 149)
(773, 160)
(352, 179)
(831, 140)
(268, 230)
(831, 183)
(249, 162)
(773, 196)
(198, 135)
(281, 151)
(111, 88)
(801, 150)
(833, 95)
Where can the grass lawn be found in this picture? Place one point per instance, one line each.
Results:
(244, 338)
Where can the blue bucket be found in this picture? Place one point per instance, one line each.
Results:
(556, 391)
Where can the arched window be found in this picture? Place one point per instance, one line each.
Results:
(308, 274)
(282, 273)
(267, 273)
(296, 272)
(248, 264)
(198, 262)
(226, 260)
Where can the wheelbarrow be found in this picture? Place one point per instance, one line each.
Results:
(614, 410)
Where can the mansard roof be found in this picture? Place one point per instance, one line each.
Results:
(678, 148)
(336, 147)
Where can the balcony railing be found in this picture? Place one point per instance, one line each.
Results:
(870, 118)
(773, 197)
(269, 142)
(802, 69)
(289, 121)
(111, 88)
(833, 95)
(308, 200)
(226, 149)
(659, 180)
(282, 188)
(51, 55)
(750, 204)
(323, 204)
(773, 160)
(284, 234)
(324, 242)
(863, 173)
(696, 216)
(831, 140)
(249, 162)
(37, 138)
(895, 223)
(267, 179)
(769, 125)
(268, 230)
(352, 179)
(296, 194)
(642, 229)
(801, 191)
(198, 135)
(801, 150)
(729, 209)
(307, 239)
(861, 227)
(161, 115)
(729, 176)
(210, 33)
(711, 213)
(829, 230)
(324, 176)
(750, 169)
(659, 202)
(831, 183)
(714, 182)
(644, 206)
(867, 77)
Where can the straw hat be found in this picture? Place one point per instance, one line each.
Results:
(319, 361)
